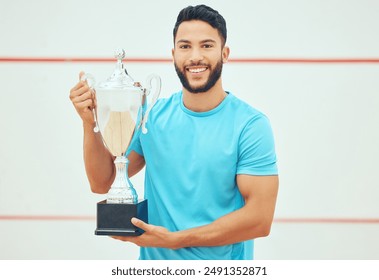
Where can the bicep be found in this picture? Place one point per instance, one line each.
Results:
(260, 193)
(136, 163)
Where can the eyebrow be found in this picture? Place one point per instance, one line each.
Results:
(201, 42)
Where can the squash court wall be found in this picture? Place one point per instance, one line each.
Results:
(317, 79)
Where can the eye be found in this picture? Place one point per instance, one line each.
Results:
(184, 46)
(207, 46)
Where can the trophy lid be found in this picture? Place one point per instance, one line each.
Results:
(120, 78)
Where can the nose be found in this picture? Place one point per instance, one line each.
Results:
(196, 55)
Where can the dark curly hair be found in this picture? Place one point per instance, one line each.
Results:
(203, 13)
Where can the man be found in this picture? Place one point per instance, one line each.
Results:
(211, 177)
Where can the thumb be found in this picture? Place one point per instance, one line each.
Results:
(141, 224)
(81, 74)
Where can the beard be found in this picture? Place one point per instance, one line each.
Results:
(214, 76)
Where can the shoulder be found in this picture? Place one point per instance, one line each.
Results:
(165, 109)
(168, 102)
(244, 112)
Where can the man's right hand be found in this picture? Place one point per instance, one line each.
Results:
(84, 100)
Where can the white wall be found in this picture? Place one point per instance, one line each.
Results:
(324, 116)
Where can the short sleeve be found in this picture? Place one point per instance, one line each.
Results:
(256, 154)
(135, 144)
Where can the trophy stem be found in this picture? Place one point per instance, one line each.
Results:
(122, 190)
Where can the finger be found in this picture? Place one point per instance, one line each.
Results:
(132, 239)
(83, 77)
(95, 102)
(78, 98)
(81, 74)
(122, 238)
(89, 107)
(141, 224)
(79, 88)
(84, 106)
(93, 94)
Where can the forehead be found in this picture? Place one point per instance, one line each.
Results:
(197, 30)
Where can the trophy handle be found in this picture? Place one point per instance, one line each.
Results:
(154, 99)
(90, 79)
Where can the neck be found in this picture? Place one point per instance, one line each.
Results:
(204, 101)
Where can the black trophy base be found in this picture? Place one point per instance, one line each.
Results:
(114, 219)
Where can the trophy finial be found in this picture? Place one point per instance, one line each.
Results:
(119, 54)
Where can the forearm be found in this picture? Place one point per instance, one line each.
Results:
(98, 161)
(251, 221)
(235, 227)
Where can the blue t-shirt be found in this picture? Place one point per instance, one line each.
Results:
(192, 159)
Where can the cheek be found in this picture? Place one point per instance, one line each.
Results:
(178, 60)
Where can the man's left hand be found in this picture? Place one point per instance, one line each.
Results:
(154, 236)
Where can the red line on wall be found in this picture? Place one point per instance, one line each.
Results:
(169, 60)
(305, 60)
(45, 218)
(328, 220)
(79, 60)
(277, 220)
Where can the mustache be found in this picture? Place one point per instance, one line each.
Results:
(197, 64)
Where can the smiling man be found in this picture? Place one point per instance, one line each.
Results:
(197, 46)
(211, 176)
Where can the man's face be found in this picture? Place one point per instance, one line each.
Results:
(198, 55)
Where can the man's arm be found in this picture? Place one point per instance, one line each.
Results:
(253, 220)
(98, 160)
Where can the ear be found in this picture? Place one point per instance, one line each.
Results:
(225, 54)
(173, 53)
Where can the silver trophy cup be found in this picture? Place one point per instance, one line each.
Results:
(121, 110)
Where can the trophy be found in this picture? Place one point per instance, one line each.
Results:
(121, 110)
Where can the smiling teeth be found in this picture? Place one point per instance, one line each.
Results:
(197, 70)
